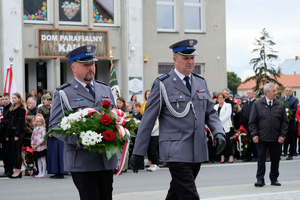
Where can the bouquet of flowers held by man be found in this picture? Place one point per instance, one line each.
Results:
(289, 113)
(104, 131)
(209, 136)
(242, 139)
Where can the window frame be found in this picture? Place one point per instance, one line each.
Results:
(116, 17)
(84, 17)
(172, 64)
(49, 15)
(165, 3)
(202, 14)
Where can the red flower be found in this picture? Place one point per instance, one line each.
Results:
(105, 119)
(27, 160)
(109, 136)
(106, 104)
(242, 129)
(245, 140)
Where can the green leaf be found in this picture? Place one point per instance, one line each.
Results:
(68, 112)
(111, 148)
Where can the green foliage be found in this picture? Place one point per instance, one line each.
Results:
(262, 65)
(233, 81)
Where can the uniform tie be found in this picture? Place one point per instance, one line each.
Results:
(187, 84)
(270, 104)
(91, 91)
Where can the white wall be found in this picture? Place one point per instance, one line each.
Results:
(134, 45)
(11, 16)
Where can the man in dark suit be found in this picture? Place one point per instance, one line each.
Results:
(92, 172)
(268, 126)
(251, 152)
(292, 133)
(182, 103)
(8, 158)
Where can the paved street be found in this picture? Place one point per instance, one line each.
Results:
(215, 181)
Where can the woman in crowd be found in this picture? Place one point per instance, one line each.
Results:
(298, 120)
(121, 104)
(16, 131)
(133, 99)
(45, 108)
(146, 95)
(224, 111)
(33, 94)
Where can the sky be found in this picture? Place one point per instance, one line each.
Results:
(245, 19)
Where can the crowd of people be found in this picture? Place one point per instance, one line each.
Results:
(234, 111)
(25, 124)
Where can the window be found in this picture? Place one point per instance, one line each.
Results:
(104, 12)
(164, 68)
(36, 11)
(165, 15)
(71, 11)
(193, 15)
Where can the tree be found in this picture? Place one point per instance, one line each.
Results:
(262, 66)
(233, 81)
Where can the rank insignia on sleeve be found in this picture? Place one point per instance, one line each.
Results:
(163, 77)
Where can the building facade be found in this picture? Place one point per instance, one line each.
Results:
(35, 36)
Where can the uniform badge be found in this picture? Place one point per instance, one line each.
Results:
(174, 79)
(76, 86)
(191, 42)
(105, 96)
(88, 49)
(177, 105)
(201, 91)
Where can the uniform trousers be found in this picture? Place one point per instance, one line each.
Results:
(95, 185)
(274, 149)
(182, 186)
(8, 157)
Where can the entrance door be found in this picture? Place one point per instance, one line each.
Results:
(41, 76)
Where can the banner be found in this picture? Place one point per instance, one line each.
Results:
(113, 83)
(10, 84)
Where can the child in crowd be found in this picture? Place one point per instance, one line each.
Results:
(129, 108)
(136, 111)
(27, 138)
(39, 146)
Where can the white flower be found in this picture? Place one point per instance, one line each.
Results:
(89, 138)
(30, 165)
(287, 114)
(84, 119)
(287, 110)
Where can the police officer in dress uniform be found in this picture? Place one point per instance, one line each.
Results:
(182, 103)
(92, 173)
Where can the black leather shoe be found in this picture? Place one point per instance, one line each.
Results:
(254, 160)
(295, 154)
(284, 154)
(289, 158)
(276, 183)
(259, 184)
(7, 174)
(19, 176)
